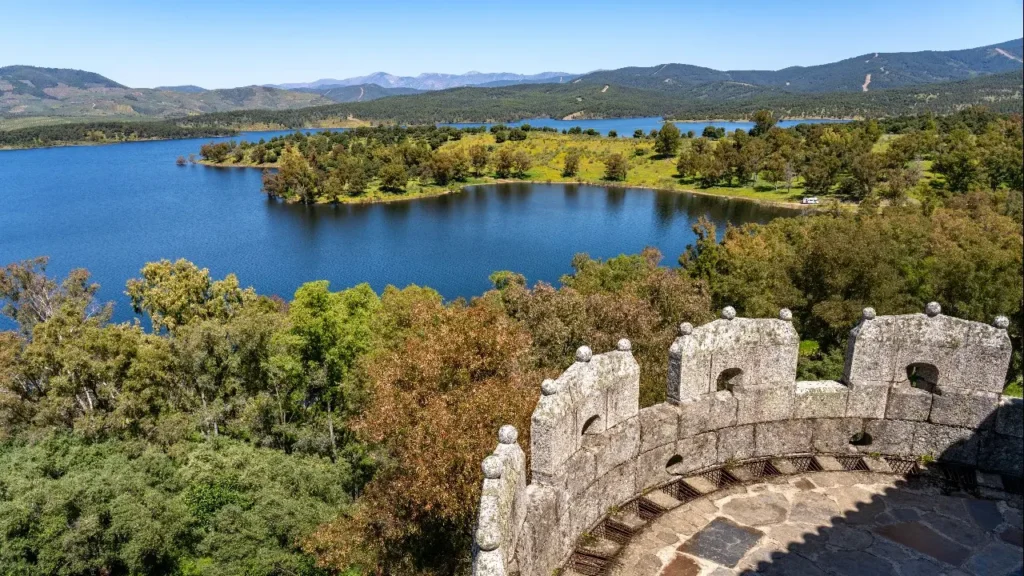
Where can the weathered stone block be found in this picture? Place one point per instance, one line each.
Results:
(722, 410)
(613, 488)
(946, 443)
(622, 444)
(965, 408)
(781, 438)
(820, 399)
(540, 538)
(1010, 416)
(553, 437)
(908, 403)
(619, 374)
(659, 425)
(834, 434)
(867, 401)
(965, 354)
(651, 467)
(736, 443)
(580, 471)
(766, 404)
(891, 437)
(700, 451)
(489, 563)
(694, 416)
(1000, 453)
(755, 352)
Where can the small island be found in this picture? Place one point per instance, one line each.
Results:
(890, 160)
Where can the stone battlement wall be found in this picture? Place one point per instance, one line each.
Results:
(914, 385)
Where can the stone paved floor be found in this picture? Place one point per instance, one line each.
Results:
(839, 523)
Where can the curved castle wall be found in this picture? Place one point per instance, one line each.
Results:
(914, 385)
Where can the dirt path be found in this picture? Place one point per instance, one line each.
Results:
(1008, 55)
(867, 82)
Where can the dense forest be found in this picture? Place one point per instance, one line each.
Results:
(999, 92)
(887, 70)
(105, 132)
(893, 160)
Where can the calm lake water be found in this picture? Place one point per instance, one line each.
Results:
(113, 208)
(626, 126)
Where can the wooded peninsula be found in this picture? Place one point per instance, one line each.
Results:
(892, 160)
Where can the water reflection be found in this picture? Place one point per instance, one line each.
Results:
(111, 209)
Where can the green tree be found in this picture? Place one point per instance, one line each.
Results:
(764, 120)
(958, 161)
(478, 157)
(668, 140)
(393, 176)
(615, 167)
(571, 164)
(175, 294)
(504, 162)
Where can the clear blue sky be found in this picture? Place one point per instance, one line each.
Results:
(222, 44)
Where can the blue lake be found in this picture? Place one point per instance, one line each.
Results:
(626, 126)
(113, 208)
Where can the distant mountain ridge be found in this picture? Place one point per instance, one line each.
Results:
(33, 94)
(859, 74)
(30, 92)
(436, 81)
(357, 92)
(186, 89)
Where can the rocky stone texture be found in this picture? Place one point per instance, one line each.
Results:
(967, 355)
(920, 385)
(762, 352)
(830, 523)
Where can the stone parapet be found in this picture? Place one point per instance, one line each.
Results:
(928, 394)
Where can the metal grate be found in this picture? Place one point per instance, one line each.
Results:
(959, 477)
(769, 469)
(620, 532)
(684, 492)
(903, 467)
(648, 510)
(589, 564)
(803, 464)
(720, 477)
(1013, 484)
(852, 463)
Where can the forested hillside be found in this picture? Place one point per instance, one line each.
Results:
(31, 92)
(886, 70)
(1001, 93)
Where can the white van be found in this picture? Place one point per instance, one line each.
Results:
(810, 200)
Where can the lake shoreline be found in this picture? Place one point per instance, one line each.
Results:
(356, 123)
(490, 181)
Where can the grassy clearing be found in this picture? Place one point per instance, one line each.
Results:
(646, 170)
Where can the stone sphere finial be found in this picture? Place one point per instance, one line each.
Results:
(868, 313)
(549, 387)
(685, 329)
(623, 345)
(933, 309)
(508, 434)
(493, 467)
(1001, 322)
(728, 312)
(786, 314)
(584, 354)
